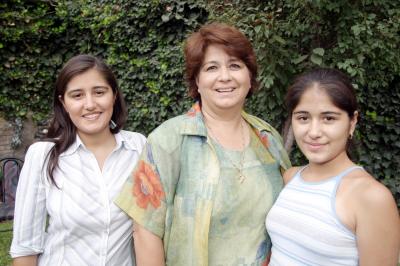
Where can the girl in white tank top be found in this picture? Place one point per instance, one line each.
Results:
(331, 212)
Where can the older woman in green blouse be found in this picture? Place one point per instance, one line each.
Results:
(206, 179)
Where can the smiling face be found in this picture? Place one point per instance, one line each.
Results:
(321, 129)
(223, 81)
(89, 101)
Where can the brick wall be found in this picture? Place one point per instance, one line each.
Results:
(6, 134)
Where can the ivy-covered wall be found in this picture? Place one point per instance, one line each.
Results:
(142, 41)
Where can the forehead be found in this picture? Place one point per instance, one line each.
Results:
(315, 99)
(88, 79)
(218, 51)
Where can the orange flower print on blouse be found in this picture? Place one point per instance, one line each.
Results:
(264, 138)
(266, 262)
(147, 186)
(194, 110)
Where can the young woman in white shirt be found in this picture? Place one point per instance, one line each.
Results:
(64, 213)
(331, 211)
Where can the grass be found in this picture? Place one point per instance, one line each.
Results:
(5, 242)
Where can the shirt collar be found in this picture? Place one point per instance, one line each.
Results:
(127, 141)
(121, 139)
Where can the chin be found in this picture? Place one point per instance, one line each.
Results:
(94, 131)
(316, 159)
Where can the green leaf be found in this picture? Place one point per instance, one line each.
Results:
(316, 59)
(356, 30)
(279, 39)
(299, 59)
(319, 51)
(165, 17)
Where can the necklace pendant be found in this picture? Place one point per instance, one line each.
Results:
(241, 178)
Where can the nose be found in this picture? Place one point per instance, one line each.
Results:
(315, 129)
(90, 103)
(225, 74)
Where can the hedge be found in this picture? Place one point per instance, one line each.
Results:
(142, 41)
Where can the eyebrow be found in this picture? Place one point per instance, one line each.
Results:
(324, 113)
(232, 59)
(80, 89)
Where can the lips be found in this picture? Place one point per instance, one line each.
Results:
(314, 146)
(91, 116)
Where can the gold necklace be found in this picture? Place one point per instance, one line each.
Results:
(239, 168)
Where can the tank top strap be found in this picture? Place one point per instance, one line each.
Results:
(298, 172)
(345, 172)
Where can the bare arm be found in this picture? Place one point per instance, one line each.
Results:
(149, 248)
(377, 227)
(25, 261)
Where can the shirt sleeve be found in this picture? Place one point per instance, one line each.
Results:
(148, 194)
(30, 206)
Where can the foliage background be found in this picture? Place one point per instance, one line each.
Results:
(142, 41)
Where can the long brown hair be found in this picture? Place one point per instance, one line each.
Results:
(61, 130)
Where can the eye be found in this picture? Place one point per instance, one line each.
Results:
(100, 92)
(301, 118)
(235, 66)
(329, 119)
(76, 95)
(211, 68)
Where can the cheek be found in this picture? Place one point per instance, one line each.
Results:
(297, 129)
(109, 104)
(248, 81)
(69, 107)
(339, 132)
(200, 83)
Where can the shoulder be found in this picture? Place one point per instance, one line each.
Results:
(36, 154)
(370, 195)
(174, 124)
(290, 173)
(133, 137)
(262, 126)
(169, 133)
(375, 211)
(259, 123)
(40, 147)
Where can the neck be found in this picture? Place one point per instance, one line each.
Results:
(93, 142)
(230, 120)
(320, 171)
(232, 133)
(222, 114)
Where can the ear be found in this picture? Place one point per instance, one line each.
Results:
(353, 123)
(60, 98)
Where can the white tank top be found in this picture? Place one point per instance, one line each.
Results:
(304, 227)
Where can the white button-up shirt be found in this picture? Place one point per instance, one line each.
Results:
(84, 226)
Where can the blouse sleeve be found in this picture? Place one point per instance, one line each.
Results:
(149, 191)
(30, 206)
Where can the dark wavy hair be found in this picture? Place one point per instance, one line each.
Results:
(234, 42)
(62, 131)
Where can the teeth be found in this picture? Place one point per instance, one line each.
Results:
(226, 90)
(91, 116)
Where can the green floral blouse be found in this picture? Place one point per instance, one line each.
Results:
(173, 188)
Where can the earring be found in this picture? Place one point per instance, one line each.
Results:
(351, 136)
(112, 124)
